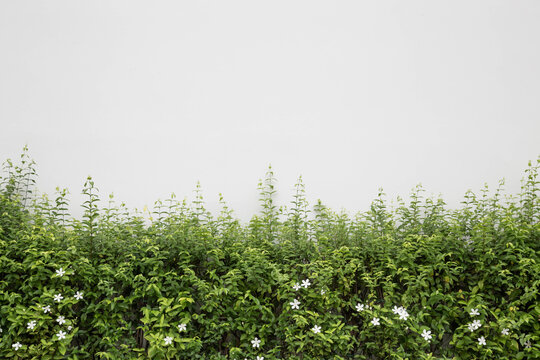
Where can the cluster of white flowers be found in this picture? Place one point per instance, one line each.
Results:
(362, 307)
(168, 340)
(295, 303)
(401, 311)
(31, 325)
(475, 325)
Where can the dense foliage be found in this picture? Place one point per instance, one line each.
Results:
(416, 281)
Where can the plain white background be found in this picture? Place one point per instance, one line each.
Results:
(150, 96)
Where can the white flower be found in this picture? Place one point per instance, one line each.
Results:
(474, 312)
(316, 329)
(471, 327)
(527, 344)
(482, 341)
(306, 283)
(58, 297)
(255, 342)
(505, 332)
(426, 334)
(16, 346)
(61, 335)
(168, 340)
(31, 325)
(182, 327)
(359, 307)
(294, 304)
(69, 328)
(375, 321)
(474, 325)
(396, 310)
(78, 295)
(404, 315)
(60, 320)
(323, 292)
(296, 287)
(260, 357)
(60, 272)
(46, 309)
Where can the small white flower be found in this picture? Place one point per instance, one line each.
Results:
(471, 327)
(527, 344)
(306, 283)
(296, 287)
(396, 310)
(16, 346)
(61, 335)
(375, 322)
(404, 315)
(31, 325)
(316, 329)
(46, 309)
(482, 341)
(60, 272)
(58, 297)
(182, 327)
(260, 357)
(168, 340)
(256, 343)
(505, 332)
(60, 320)
(294, 304)
(69, 328)
(78, 295)
(323, 292)
(474, 312)
(360, 307)
(426, 334)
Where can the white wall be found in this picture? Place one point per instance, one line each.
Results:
(151, 96)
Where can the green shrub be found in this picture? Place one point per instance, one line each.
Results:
(416, 282)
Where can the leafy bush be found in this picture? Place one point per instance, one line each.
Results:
(418, 281)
